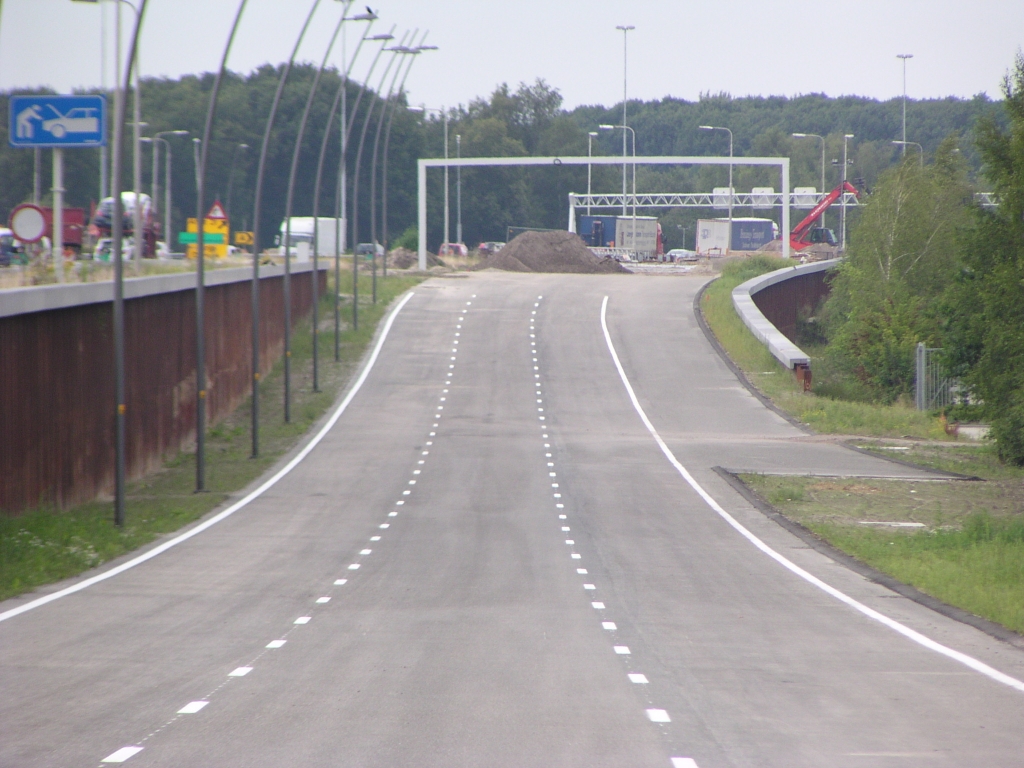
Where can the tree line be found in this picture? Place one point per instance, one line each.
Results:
(928, 265)
(527, 120)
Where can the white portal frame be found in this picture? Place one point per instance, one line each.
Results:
(476, 162)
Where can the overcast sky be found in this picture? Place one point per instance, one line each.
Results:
(681, 49)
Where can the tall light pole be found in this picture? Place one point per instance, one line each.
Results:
(846, 139)
(289, 199)
(387, 139)
(231, 174)
(920, 149)
(116, 235)
(458, 189)
(633, 133)
(821, 219)
(339, 198)
(443, 112)
(396, 78)
(157, 140)
(590, 155)
(720, 128)
(625, 80)
(903, 57)
(257, 203)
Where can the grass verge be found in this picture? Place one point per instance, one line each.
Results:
(960, 542)
(46, 545)
(823, 414)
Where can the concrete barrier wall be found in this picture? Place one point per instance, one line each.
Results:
(770, 304)
(57, 382)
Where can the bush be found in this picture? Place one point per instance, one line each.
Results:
(410, 239)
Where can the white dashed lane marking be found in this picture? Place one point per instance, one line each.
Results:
(653, 714)
(192, 707)
(122, 754)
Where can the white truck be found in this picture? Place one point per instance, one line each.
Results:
(302, 236)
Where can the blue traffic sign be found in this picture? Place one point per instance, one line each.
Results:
(58, 121)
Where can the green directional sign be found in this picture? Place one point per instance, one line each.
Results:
(209, 238)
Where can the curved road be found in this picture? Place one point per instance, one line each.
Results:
(489, 560)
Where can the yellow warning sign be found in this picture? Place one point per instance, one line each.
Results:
(243, 238)
(216, 233)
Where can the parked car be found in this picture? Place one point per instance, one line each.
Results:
(365, 249)
(682, 254)
(9, 250)
(490, 248)
(453, 249)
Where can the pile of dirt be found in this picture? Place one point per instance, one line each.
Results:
(549, 252)
(403, 258)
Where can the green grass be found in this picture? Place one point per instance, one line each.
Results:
(45, 545)
(824, 414)
(969, 552)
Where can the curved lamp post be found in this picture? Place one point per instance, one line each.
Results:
(264, 147)
(395, 51)
(339, 97)
(289, 199)
(373, 162)
(117, 234)
(387, 138)
(204, 148)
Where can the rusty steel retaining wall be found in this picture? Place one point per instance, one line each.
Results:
(770, 306)
(57, 381)
(800, 292)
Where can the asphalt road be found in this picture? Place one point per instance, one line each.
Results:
(489, 560)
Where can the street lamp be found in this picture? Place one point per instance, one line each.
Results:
(116, 236)
(625, 29)
(920, 149)
(384, 171)
(846, 139)
(231, 173)
(339, 198)
(167, 173)
(633, 133)
(396, 78)
(444, 113)
(821, 219)
(903, 57)
(289, 199)
(720, 128)
(590, 155)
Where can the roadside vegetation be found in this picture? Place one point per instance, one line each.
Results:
(959, 541)
(830, 412)
(925, 265)
(45, 545)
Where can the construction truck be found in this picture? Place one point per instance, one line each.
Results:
(805, 234)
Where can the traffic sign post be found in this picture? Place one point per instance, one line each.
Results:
(216, 234)
(57, 122)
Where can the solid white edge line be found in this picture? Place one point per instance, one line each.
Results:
(917, 637)
(39, 601)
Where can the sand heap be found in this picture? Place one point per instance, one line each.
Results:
(549, 252)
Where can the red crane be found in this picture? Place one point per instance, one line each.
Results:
(804, 234)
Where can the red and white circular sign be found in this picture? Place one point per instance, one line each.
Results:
(28, 223)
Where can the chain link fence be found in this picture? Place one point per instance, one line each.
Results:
(933, 388)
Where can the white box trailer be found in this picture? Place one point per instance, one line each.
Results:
(302, 236)
(712, 237)
(646, 228)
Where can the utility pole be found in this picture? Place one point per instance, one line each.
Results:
(625, 72)
(903, 57)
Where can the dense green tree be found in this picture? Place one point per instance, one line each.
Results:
(902, 257)
(985, 334)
